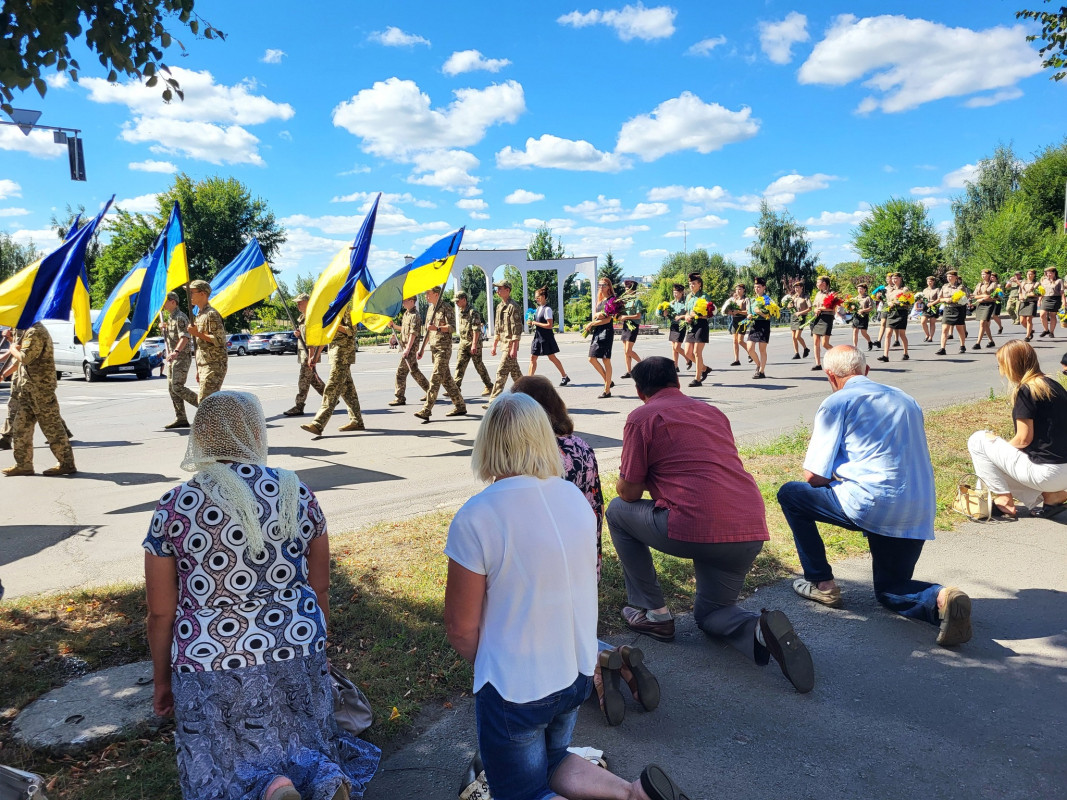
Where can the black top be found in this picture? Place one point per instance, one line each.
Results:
(1049, 445)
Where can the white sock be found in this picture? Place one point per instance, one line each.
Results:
(652, 616)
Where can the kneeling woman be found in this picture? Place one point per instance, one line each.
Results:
(544, 338)
(1033, 464)
(237, 572)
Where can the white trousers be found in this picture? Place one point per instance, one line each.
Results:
(1008, 470)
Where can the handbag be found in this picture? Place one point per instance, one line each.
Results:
(351, 709)
(18, 785)
(474, 785)
(974, 502)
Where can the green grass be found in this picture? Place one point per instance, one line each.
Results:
(387, 602)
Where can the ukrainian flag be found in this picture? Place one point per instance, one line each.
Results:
(430, 269)
(80, 306)
(346, 280)
(244, 281)
(108, 327)
(46, 289)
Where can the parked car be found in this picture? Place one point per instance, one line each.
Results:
(74, 358)
(284, 342)
(156, 349)
(237, 344)
(259, 343)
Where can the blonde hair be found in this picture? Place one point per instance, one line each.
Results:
(1018, 363)
(515, 438)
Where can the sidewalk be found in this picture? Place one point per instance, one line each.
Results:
(892, 714)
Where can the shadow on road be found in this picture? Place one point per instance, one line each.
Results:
(20, 541)
(340, 476)
(128, 478)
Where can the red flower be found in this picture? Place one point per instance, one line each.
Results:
(831, 301)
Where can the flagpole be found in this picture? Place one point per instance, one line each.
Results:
(285, 304)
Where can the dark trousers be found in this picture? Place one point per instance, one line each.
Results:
(893, 558)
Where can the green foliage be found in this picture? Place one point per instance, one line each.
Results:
(996, 181)
(899, 237)
(781, 252)
(847, 275)
(304, 284)
(15, 256)
(1006, 240)
(1042, 186)
(473, 282)
(719, 276)
(1053, 36)
(132, 235)
(611, 270)
(542, 248)
(128, 39)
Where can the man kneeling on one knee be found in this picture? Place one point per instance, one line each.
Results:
(868, 469)
(704, 507)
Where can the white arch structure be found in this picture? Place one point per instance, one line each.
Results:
(488, 261)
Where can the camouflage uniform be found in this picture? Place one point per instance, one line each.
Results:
(508, 331)
(37, 401)
(441, 351)
(412, 323)
(211, 358)
(309, 378)
(470, 320)
(339, 385)
(175, 329)
(12, 410)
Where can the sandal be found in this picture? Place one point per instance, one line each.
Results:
(658, 785)
(643, 684)
(1003, 515)
(606, 679)
(1048, 511)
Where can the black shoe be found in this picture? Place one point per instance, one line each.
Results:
(735, 363)
(870, 346)
(602, 395)
(758, 375)
(1029, 338)
(5, 443)
(688, 364)
(806, 351)
(940, 352)
(963, 349)
(787, 649)
(898, 344)
(1043, 334)
(878, 342)
(989, 344)
(696, 382)
(705, 373)
(817, 367)
(625, 375)
(905, 357)
(883, 358)
(796, 356)
(565, 381)
(612, 385)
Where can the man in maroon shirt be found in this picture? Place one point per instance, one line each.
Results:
(704, 506)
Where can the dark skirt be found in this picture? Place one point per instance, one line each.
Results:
(954, 315)
(759, 330)
(1051, 302)
(698, 331)
(675, 335)
(861, 321)
(823, 324)
(983, 312)
(628, 335)
(798, 323)
(544, 343)
(997, 308)
(1028, 308)
(238, 729)
(897, 318)
(603, 337)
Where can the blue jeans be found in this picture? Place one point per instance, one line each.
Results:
(522, 744)
(893, 558)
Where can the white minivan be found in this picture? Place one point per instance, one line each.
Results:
(74, 358)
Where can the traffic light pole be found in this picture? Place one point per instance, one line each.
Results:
(67, 136)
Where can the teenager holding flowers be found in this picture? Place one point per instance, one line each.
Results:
(1028, 302)
(998, 303)
(823, 324)
(953, 297)
(602, 329)
(1051, 300)
(736, 308)
(544, 338)
(800, 304)
(674, 310)
(758, 333)
(984, 306)
(899, 300)
(931, 295)
(697, 326)
(632, 314)
(861, 317)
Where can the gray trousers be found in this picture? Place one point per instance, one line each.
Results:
(720, 571)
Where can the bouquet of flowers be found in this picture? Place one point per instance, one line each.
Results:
(613, 307)
(730, 305)
(879, 292)
(851, 303)
(702, 308)
(1062, 316)
(787, 301)
(903, 299)
(1039, 290)
(831, 302)
(997, 294)
(958, 295)
(663, 308)
(764, 307)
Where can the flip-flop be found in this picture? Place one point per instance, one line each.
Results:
(658, 785)
(1048, 511)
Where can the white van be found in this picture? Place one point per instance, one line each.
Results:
(74, 358)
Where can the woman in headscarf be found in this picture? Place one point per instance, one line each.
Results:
(237, 570)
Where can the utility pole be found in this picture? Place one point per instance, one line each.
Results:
(26, 121)
(685, 240)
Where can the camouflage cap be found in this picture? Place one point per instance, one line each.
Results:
(503, 285)
(173, 296)
(435, 289)
(200, 286)
(303, 297)
(460, 294)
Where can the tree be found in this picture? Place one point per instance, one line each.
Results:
(781, 252)
(61, 225)
(997, 179)
(15, 256)
(611, 270)
(1007, 240)
(1042, 185)
(542, 248)
(1054, 36)
(128, 38)
(899, 237)
(847, 275)
(132, 235)
(719, 275)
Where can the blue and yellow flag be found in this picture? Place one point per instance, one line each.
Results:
(346, 280)
(244, 281)
(46, 289)
(430, 269)
(108, 327)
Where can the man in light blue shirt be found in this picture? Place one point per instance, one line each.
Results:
(868, 469)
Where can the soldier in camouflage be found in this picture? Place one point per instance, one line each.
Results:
(339, 386)
(34, 360)
(439, 336)
(508, 333)
(179, 357)
(410, 332)
(210, 334)
(309, 378)
(470, 323)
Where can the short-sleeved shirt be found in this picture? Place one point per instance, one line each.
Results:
(691, 300)
(235, 609)
(1053, 288)
(211, 353)
(947, 291)
(869, 439)
(683, 450)
(1049, 445)
(469, 320)
(633, 306)
(535, 542)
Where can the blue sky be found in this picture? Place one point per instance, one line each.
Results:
(616, 125)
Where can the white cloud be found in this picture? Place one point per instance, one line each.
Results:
(471, 60)
(705, 46)
(784, 190)
(273, 56)
(522, 196)
(8, 188)
(14, 212)
(707, 221)
(43, 239)
(448, 170)
(630, 22)
(475, 206)
(685, 123)
(149, 165)
(142, 204)
(394, 37)
(839, 217)
(916, 61)
(655, 253)
(386, 223)
(986, 100)
(394, 118)
(200, 140)
(553, 152)
(488, 238)
(388, 199)
(957, 179)
(777, 38)
(38, 144)
(301, 245)
(750, 232)
(699, 198)
(611, 210)
(285, 135)
(934, 202)
(57, 80)
(358, 169)
(817, 235)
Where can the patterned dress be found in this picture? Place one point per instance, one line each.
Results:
(580, 468)
(252, 696)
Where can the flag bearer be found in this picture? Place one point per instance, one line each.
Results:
(309, 378)
(339, 386)
(210, 334)
(179, 357)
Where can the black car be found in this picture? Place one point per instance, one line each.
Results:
(284, 342)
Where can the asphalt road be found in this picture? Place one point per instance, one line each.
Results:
(59, 533)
